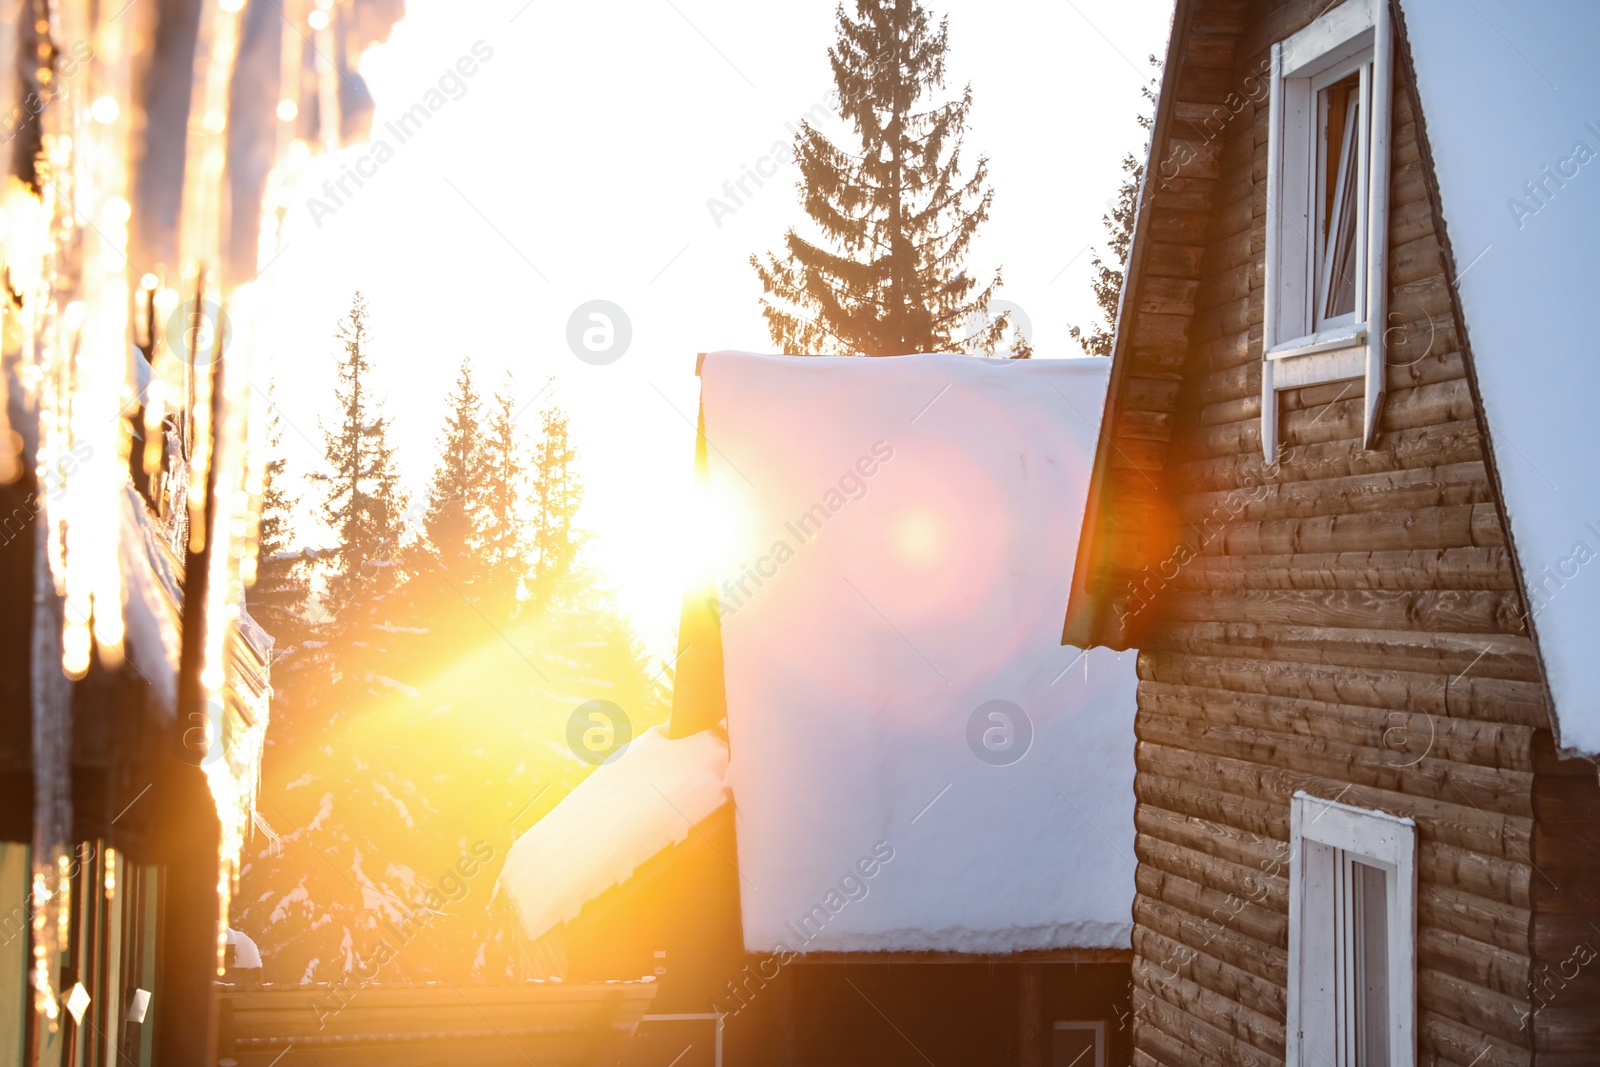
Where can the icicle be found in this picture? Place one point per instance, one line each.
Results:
(52, 788)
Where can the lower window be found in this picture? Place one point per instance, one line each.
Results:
(1352, 937)
(1078, 1044)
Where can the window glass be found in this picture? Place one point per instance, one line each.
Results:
(1338, 173)
(1370, 927)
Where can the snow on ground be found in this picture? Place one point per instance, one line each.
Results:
(1511, 97)
(644, 799)
(906, 532)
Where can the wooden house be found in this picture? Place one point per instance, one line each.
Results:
(134, 688)
(1342, 506)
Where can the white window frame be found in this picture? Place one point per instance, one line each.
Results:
(1325, 836)
(1356, 35)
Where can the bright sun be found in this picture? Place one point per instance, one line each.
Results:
(712, 538)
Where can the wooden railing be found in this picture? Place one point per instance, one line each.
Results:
(543, 1024)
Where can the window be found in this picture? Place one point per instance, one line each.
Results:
(1327, 208)
(1078, 1044)
(1352, 937)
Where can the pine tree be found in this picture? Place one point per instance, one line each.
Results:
(897, 218)
(277, 600)
(507, 550)
(363, 504)
(557, 495)
(1106, 280)
(371, 621)
(451, 525)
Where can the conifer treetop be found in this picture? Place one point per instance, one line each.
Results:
(363, 502)
(897, 218)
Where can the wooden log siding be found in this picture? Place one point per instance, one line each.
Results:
(1347, 622)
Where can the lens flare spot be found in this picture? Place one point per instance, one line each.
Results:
(919, 539)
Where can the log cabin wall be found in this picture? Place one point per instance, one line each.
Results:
(1351, 623)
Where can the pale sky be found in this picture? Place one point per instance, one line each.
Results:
(577, 165)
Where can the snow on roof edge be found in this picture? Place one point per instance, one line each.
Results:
(643, 800)
(1513, 125)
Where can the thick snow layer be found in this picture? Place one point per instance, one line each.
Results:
(1511, 99)
(246, 954)
(644, 799)
(905, 536)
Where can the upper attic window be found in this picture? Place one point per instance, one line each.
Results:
(1327, 207)
(1341, 143)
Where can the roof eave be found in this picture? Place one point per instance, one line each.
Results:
(1088, 607)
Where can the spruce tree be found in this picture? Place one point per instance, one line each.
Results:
(557, 495)
(363, 502)
(896, 216)
(277, 600)
(506, 551)
(451, 525)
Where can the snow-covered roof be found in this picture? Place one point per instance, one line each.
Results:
(154, 593)
(645, 798)
(1510, 97)
(917, 763)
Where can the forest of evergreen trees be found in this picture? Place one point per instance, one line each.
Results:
(426, 664)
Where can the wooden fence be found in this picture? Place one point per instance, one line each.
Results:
(544, 1024)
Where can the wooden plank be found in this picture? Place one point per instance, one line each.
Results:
(1405, 409)
(1243, 1025)
(1490, 790)
(1474, 1007)
(1492, 922)
(1481, 964)
(1159, 1047)
(1173, 260)
(1463, 824)
(1415, 569)
(1213, 1044)
(1260, 818)
(1450, 1042)
(1434, 446)
(1460, 611)
(1266, 854)
(1407, 736)
(1169, 296)
(1233, 394)
(1152, 329)
(1179, 227)
(1225, 319)
(1238, 882)
(1484, 699)
(1169, 956)
(1216, 908)
(1268, 963)
(1451, 526)
(1504, 880)
(1150, 394)
(1484, 655)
